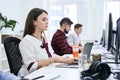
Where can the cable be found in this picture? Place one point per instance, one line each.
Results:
(116, 75)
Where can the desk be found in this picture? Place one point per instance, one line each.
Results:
(52, 72)
(105, 57)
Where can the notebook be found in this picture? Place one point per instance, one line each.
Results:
(86, 50)
(44, 73)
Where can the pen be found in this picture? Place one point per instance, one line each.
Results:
(38, 77)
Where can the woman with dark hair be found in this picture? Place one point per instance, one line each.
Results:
(33, 47)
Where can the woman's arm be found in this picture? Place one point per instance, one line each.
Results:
(60, 59)
(28, 55)
(45, 62)
(55, 59)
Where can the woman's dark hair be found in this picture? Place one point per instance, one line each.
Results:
(32, 15)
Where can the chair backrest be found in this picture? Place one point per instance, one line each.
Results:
(11, 45)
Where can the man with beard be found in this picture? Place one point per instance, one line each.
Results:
(59, 42)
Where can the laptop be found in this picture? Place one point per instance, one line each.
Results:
(86, 50)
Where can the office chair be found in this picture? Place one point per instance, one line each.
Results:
(11, 45)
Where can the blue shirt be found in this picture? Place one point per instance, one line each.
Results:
(74, 39)
(8, 76)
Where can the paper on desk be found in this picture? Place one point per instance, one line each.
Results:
(52, 76)
(49, 74)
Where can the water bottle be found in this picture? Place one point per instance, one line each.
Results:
(96, 44)
(82, 62)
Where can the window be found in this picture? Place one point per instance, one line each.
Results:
(58, 10)
(114, 8)
(70, 10)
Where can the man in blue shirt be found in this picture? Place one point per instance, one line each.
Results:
(74, 38)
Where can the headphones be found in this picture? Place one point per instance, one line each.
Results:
(97, 71)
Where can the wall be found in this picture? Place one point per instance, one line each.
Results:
(95, 19)
(13, 10)
(29, 4)
(90, 14)
(18, 10)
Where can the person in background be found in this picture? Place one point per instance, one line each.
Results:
(59, 40)
(74, 39)
(8, 76)
(34, 47)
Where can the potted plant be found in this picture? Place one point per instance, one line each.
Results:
(5, 23)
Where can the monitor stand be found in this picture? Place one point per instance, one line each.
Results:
(113, 57)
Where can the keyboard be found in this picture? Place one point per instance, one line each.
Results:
(72, 65)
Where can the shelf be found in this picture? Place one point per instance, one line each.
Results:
(6, 70)
(1, 45)
(6, 35)
(3, 59)
(4, 65)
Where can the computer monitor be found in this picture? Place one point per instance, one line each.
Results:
(118, 40)
(110, 32)
(102, 41)
(108, 35)
(118, 33)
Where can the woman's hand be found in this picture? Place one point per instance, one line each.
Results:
(68, 60)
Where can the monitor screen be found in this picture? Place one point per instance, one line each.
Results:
(118, 28)
(118, 41)
(110, 34)
(118, 35)
(102, 41)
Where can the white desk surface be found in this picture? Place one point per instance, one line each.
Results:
(52, 72)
